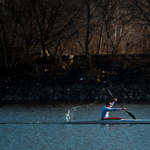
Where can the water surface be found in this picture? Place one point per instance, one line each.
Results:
(50, 136)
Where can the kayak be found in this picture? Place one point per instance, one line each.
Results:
(25, 122)
(112, 121)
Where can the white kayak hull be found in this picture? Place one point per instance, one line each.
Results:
(121, 121)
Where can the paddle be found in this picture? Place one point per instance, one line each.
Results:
(108, 91)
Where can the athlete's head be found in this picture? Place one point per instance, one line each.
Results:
(108, 104)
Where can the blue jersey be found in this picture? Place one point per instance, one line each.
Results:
(106, 110)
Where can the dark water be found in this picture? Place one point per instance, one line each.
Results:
(18, 133)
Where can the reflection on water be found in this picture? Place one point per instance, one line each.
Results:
(41, 135)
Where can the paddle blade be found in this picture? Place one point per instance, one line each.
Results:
(131, 115)
(108, 91)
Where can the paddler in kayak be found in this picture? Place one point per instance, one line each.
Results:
(107, 108)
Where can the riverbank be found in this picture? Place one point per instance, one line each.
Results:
(128, 83)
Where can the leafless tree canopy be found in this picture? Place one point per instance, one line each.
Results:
(53, 28)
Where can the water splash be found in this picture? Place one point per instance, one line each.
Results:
(69, 115)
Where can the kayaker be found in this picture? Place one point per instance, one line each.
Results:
(107, 108)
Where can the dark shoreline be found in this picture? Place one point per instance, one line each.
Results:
(76, 91)
(128, 80)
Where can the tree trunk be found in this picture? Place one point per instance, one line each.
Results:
(87, 35)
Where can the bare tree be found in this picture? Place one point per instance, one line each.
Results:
(141, 15)
(116, 21)
(81, 18)
(8, 38)
(21, 12)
